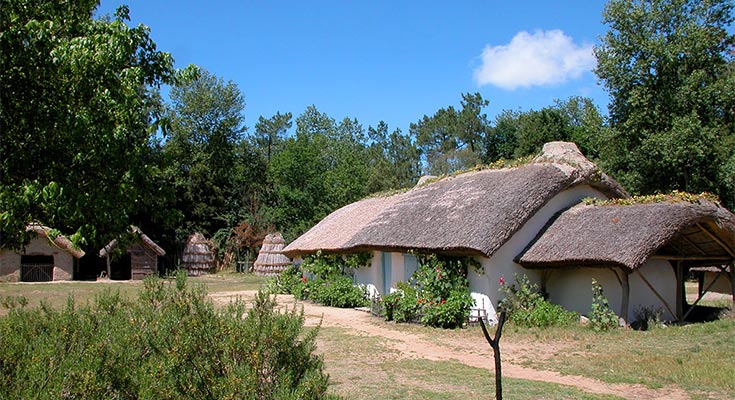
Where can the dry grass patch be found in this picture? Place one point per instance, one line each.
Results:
(366, 367)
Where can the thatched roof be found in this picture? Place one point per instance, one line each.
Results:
(144, 239)
(627, 235)
(471, 213)
(59, 241)
(198, 254)
(270, 259)
(711, 269)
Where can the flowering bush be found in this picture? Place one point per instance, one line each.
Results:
(437, 294)
(403, 305)
(289, 281)
(450, 312)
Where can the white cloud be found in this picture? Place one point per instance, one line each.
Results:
(540, 59)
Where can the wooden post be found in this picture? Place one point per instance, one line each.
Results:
(680, 292)
(625, 300)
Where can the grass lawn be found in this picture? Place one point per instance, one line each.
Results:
(57, 293)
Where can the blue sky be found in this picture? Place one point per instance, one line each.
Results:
(383, 60)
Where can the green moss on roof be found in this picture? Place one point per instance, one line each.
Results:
(673, 197)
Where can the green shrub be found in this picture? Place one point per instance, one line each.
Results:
(403, 305)
(602, 318)
(450, 312)
(337, 291)
(437, 293)
(170, 342)
(526, 306)
(288, 281)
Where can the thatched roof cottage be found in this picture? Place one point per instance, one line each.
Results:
(45, 258)
(140, 258)
(498, 215)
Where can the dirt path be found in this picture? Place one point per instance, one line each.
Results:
(417, 346)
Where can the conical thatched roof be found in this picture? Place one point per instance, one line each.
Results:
(627, 235)
(271, 260)
(471, 213)
(198, 256)
(59, 241)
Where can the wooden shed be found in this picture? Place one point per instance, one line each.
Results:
(198, 257)
(271, 260)
(139, 261)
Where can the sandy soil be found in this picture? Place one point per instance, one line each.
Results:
(417, 346)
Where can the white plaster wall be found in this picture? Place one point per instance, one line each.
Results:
(502, 265)
(371, 274)
(572, 289)
(63, 261)
(661, 275)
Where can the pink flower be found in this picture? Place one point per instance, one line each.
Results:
(502, 281)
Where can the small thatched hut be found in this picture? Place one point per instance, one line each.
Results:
(139, 260)
(271, 260)
(44, 258)
(198, 257)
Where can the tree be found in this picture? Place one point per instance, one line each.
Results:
(322, 168)
(450, 139)
(519, 134)
(538, 127)
(501, 140)
(665, 64)
(586, 123)
(394, 159)
(77, 105)
(214, 170)
(269, 133)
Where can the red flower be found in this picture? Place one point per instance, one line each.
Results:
(303, 279)
(502, 281)
(443, 301)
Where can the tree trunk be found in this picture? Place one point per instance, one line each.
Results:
(495, 344)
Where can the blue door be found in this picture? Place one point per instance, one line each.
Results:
(387, 272)
(410, 265)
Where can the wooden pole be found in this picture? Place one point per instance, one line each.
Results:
(680, 293)
(495, 344)
(626, 296)
(655, 292)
